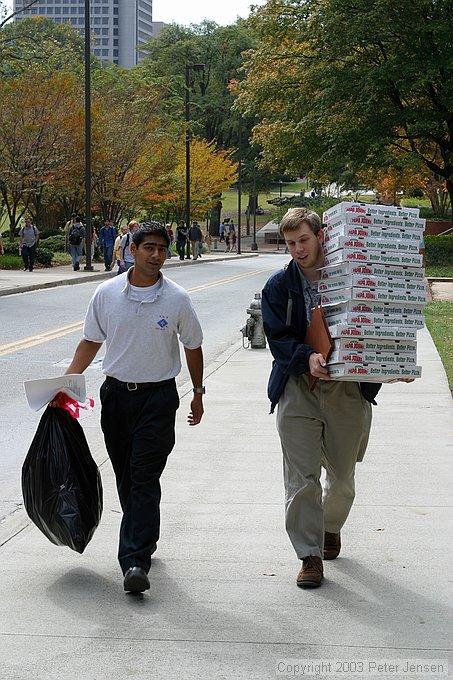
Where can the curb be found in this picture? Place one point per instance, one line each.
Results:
(439, 279)
(88, 276)
(54, 284)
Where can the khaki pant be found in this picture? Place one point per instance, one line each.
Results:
(328, 428)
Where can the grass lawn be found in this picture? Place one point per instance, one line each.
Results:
(439, 320)
(230, 207)
(441, 270)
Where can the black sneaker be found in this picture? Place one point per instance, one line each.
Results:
(136, 580)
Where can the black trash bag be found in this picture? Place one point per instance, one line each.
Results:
(61, 483)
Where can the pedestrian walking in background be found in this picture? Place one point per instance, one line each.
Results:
(233, 242)
(200, 244)
(76, 238)
(126, 256)
(139, 398)
(28, 241)
(227, 242)
(170, 236)
(2, 250)
(222, 229)
(231, 226)
(195, 236)
(181, 239)
(106, 242)
(116, 247)
(327, 427)
(67, 227)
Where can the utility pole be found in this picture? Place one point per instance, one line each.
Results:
(88, 229)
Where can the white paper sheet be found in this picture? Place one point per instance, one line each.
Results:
(40, 392)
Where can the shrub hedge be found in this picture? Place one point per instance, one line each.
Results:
(439, 249)
(8, 261)
(54, 243)
(44, 256)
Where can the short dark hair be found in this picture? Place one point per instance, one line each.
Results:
(150, 229)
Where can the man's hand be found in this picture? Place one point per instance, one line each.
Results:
(196, 410)
(317, 366)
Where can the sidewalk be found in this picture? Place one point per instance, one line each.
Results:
(223, 601)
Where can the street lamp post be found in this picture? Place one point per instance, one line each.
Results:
(189, 67)
(239, 183)
(278, 231)
(254, 243)
(88, 230)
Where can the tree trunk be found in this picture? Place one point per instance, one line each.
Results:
(215, 219)
(449, 185)
(253, 204)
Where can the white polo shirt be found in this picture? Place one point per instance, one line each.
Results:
(142, 328)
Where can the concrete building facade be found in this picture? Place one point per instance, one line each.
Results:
(117, 26)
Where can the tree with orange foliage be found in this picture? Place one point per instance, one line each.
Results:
(211, 172)
(131, 145)
(38, 121)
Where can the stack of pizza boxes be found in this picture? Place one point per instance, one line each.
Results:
(373, 290)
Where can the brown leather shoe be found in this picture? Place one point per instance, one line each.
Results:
(332, 545)
(311, 573)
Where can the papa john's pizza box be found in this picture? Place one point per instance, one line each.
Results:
(364, 344)
(417, 286)
(368, 319)
(354, 356)
(390, 245)
(373, 372)
(402, 296)
(382, 271)
(368, 221)
(343, 330)
(374, 307)
(373, 256)
(381, 233)
(357, 208)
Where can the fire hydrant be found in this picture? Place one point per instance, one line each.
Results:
(253, 329)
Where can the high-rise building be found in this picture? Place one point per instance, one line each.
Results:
(118, 27)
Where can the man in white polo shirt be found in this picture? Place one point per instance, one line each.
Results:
(141, 316)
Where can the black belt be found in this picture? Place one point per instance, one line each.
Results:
(133, 386)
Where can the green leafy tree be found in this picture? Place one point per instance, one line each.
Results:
(37, 41)
(220, 49)
(349, 80)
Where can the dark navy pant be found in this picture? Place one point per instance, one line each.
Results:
(139, 433)
(180, 249)
(28, 256)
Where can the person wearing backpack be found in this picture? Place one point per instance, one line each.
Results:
(126, 257)
(28, 240)
(106, 241)
(76, 238)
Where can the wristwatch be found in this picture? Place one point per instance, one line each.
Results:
(199, 390)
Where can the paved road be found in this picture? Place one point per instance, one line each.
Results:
(44, 327)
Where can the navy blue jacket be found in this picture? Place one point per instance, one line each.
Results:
(285, 325)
